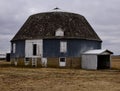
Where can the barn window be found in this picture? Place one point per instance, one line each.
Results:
(63, 46)
(34, 49)
(14, 47)
(62, 62)
(62, 59)
(59, 32)
(27, 61)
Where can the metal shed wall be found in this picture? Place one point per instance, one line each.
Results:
(89, 62)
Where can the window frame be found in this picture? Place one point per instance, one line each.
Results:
(59, 32)
(62, 62)
(62, 58)
(63, 46)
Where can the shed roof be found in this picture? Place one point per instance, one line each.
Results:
(44, 25)
(98, 51)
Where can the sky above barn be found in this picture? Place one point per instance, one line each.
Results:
(103, 16)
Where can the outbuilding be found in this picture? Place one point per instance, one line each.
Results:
(96, 59)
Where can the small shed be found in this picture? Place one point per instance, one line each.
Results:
(96, 59)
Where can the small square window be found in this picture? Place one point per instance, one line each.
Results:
(62, 59)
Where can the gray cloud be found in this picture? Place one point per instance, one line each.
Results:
(103, 15)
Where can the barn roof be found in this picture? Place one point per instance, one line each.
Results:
(98, 51)
(44, 25)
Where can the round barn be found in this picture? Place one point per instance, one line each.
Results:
(53, 39)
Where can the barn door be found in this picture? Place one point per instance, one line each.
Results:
(62, 62)
(103, 62)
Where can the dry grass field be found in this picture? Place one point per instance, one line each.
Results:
(51, 79)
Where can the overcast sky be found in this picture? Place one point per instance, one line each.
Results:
(103, 15)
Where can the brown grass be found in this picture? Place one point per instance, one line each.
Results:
(52, 79)
(116, 62)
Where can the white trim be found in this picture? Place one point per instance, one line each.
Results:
(59, 32)
(62, 64)
(14, 47)
(98, 52)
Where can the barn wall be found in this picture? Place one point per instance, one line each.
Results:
(53, 62)
(75, 47)
(70, 62)
(22, 63)
(89, 62)
(20, 49)
(74, 62)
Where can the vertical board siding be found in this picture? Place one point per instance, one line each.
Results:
(51, 47)
(89, 61)
(19, 49)
(75, 47)
(29, 48)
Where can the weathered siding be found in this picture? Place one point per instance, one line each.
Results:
(22, 63)
(29, 48)
(53, 62)
(75, 47)
(19, 49)
(70, 62)
(74, 62)
(89, 61)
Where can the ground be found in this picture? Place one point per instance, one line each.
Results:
(52, 79)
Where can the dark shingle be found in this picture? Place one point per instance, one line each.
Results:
(44, 25)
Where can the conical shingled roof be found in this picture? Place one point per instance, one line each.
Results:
(44, 25)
